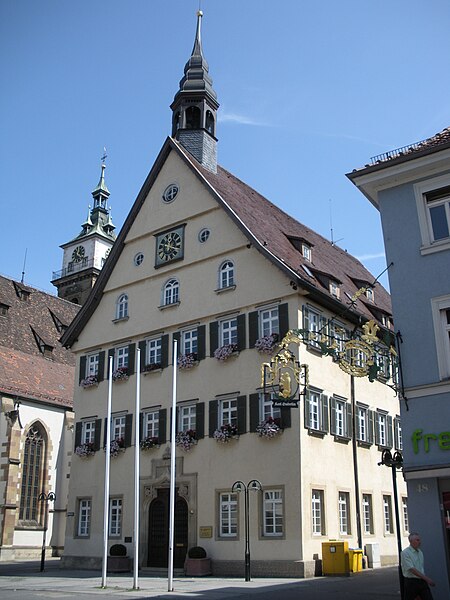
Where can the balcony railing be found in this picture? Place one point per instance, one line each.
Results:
(396, 153)
(73, 267)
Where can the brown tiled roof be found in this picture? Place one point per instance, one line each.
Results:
(24, 371)
(268, 228)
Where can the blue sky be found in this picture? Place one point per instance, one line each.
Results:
(308, 92)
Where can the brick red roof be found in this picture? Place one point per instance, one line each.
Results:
(32, 317)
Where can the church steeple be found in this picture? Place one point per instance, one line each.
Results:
(195, 107)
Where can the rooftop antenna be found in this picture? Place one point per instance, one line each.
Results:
(24, 263)
(333, 241)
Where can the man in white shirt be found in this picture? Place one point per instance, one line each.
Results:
(416, 582)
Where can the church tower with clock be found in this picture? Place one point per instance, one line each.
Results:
(85, 255)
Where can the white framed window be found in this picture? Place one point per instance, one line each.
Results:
(118, 427)
(139, 259)
(440, 308)
(122, 307)
(405, 514)
(171, 292)
(203, 235)
(317, 512)
(228, 525)
(226, 275)
(170, 193)
(367, 513)
(228, 332)
(153, 352)
(338, 334)
(88, 432)
(398, 435)
(341, 417)
(370, 294)
(273, 513)
(387, 515)
(121, 357)
(364, 424)
(266, 407)
(269, 321)
(335, 289)
(151, 424)
(315, 323)
(228, 412)
(383, 430)
(344, 513)
(189, 342)
(84, 517)
(306, 251)
(115, 517)
(92, 362)
(187, 417)
(316, 411)
(433, 209)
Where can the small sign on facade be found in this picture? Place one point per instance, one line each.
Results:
(206, 532)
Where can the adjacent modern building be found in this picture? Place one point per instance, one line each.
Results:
(411, 189)
(36, 419)
(85, 255)
(206, 260)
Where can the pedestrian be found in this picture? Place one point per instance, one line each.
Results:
(416, 582)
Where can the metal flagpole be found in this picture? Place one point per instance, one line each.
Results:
(172, 466)
(136, 472)
(107, 466)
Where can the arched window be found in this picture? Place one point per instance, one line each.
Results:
(176, 123)
(171, 292)
(193, 117)
(122, 307)
(33, 464)
(209, 122)
(226, 274)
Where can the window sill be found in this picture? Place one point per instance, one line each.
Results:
(341, 439)
(160, 370)
(225, 289)
(363, 444)
(172, 305)
(316, 433)
(314, 350)
(435, 247)
(120, 320)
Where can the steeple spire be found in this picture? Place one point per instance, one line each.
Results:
(195, 106)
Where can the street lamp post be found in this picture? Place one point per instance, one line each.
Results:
(43, 497)
(395, 462)
(239, 486)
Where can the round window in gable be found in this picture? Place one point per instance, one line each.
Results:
(139, 259)
(203, 235)
(170, 193)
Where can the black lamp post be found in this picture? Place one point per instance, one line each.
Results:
(395, 462)
(239, 486)
(43, 497)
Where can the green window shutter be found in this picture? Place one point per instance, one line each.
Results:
(97, 434)
(389, 431)
(370, 426)
(242, 342)
(142, 348)
(105, 425)
(128, 430)
(201, 342)
(78, 430)
(307, 415)
(164, 351)
(242, 414)
(333, 415)
(285, 417)
(176, 336)
(349, 432)
(253, 328)
(324, 403)
(283, 319)
(162, 426)
(141, 426)
(213, 412)
(101, 366)
(305, 315)
(110, 353)
(200, 420)
(82, 373)
(131, 358)
(254, 411)
(397, 425)
(213, 338)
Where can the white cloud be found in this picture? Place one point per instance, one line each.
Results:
(226, 117)
(364, 257)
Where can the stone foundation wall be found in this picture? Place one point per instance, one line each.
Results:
(300, 569)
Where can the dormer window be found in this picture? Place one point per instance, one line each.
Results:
(60, 326)
(44, 348)
(306, 252)
(21, 292)
(3, 309)
(369, 294)
(335, 289)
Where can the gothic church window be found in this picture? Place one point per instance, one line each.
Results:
(32, 474)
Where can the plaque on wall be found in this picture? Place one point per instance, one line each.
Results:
(206, 532)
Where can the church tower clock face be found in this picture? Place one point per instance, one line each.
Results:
(78, 254)
(169, 246)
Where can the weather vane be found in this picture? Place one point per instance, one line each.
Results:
(105, 156)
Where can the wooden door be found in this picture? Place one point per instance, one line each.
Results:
(158, 535)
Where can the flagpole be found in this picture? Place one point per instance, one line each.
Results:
(172, 466)
(107, 467)
(136, 472)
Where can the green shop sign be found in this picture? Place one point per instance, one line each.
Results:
(420, 439)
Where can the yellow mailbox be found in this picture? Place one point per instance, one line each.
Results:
(355, 560)
(335, 558)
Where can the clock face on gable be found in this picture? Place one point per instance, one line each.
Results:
(169, 246)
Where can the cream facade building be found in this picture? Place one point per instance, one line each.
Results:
(204, 259)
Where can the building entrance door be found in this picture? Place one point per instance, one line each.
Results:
(158, 534)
